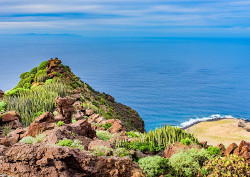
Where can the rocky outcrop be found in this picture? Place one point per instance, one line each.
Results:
(52, 161)
(117, 126)
(12, 118)
(243, 150)
(1, 94)
(244, 124)
(41, 124)
(176, 148)
(13, 137)
(230, 149)
(65, 108)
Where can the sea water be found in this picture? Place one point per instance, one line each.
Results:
(166, 80)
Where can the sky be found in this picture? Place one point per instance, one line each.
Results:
(101, 18)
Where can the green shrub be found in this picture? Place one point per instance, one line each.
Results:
(65, 142)
(31, 140)
(73, 120)
(41, 76)
(77, 144)
(43, 65)
(121, 152)
(59, 123)
(186, 141)
(38, 114)
(33, 71)
(107, 126)
(49, 81)
(39, 138)
(15, 92)
(27, 86)
(55, 113)
(214, 150)
(27, 140)
(226, 166)
(133, 134)
(24, 75)
(189, 162)
(2, 106)
(153, 165)
(101, 150)
(103, 135)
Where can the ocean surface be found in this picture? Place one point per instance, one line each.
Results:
(166, 80)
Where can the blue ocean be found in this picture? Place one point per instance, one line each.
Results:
(166, 80)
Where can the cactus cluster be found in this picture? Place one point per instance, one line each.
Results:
(39, 99)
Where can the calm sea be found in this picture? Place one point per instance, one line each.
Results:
(167, 80)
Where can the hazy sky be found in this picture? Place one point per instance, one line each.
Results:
(126, 17)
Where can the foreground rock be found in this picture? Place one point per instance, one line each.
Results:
(11, 118)
(52, 161)
(176, 148)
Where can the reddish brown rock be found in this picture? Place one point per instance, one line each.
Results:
(116, 126)
(53, 161)
(204, 144)
(89, 112)
(176, 148)
(243, 150)
(83, 128)
(96, 143)
(41, 124)
(222, 148)
(1, 94)
(65, 108)
(13, 137)
(230, 149)
(10, 116)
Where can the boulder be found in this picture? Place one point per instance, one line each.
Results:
(1, 94)
(176, 148)
(83, 128)
(10, 116)
(42, 123)
(243, 150)
(97, 143)
(230, 149)
(65, 108)
(89, 112)
(116, 127)
(222, 148)
(52, 161)
(13, 137)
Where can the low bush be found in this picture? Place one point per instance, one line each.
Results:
(188, 163)
(186, 141)
(121, 152)
(43, 65)
(107, 126)
(77, 144)
(103, 135)
(101, 150)
(214, 150)
(31, 140)
(2, 106)
(59, 123)
(49, 81)
(153, 165)
(38, 114)
(225, 166)
(65, 142)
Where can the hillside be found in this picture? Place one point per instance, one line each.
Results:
(33, 86)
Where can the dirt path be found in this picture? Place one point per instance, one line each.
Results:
(224, 131)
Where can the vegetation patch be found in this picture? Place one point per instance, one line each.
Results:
(153, 165)
(103, 135)
(101, 150)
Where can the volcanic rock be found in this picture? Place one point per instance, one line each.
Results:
(1, 94)
(42, 123)
(10, 116)
(52, 161)
(222, 148)
(65, 108)
(230, 149)
(176, 148)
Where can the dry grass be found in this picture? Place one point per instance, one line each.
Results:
(224, 131)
